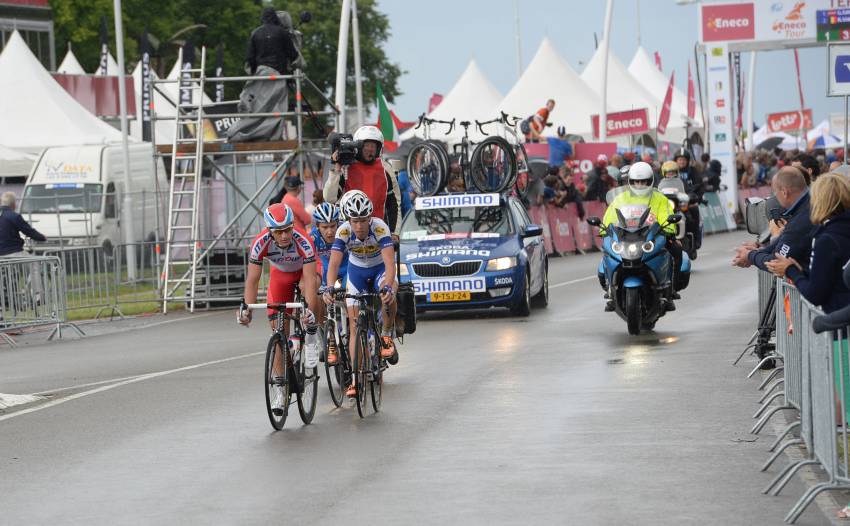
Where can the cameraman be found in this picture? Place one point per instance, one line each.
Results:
(271, 45)
(369, 174)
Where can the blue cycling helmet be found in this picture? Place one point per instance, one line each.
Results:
(326, 213)
(278, 216)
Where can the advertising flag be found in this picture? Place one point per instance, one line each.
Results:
(664, 118)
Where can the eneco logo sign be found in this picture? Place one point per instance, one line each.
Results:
(728, 22)
(626, 124)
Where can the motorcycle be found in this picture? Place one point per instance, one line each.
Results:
(689, 232)
(636, 267)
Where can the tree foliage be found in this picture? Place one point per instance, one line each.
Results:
(230, 23)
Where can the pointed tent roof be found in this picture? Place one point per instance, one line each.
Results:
(472, 97)
(172, 90)
(111, 66)
(70, 65)
(15, 163)
(548, 76)
(643, 68)
(36, 110)
(165, 107)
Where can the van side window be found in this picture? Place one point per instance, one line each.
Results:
(109, 208)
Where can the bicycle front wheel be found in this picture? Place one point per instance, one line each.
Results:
(334, 373)
(427, 168)
(493, 167)
(362, 370)
(275, 380)
(524, 177)
(309, 393)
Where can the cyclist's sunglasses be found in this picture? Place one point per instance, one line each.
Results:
(287, 230)
(640, 182)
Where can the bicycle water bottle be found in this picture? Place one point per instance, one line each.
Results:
(311, 347)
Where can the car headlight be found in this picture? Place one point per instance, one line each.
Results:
(501, 263)
(617, 247)
(402, 270)
(648, 247)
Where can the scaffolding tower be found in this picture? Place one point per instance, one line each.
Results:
(187, 262)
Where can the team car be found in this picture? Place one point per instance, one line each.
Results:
(473, 251)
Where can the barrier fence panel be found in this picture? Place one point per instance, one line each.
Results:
(539, 216)
(559, 225)
(32, 293)
(89, 278)
(789, 341)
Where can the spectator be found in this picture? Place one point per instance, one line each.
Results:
(617, 162)
(628, 158)
(318, 198)
(12, 225)
(791, 234)
(820, 281)
(809, 165)
(270, 45)
(559, 149)
(598, 180)
(711, 180)
(569, 192)
(539, 121)
(551, 187)
(293, 186)
(407, 193)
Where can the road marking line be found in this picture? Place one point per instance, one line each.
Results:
(571, 282)
(120, 383)
(9, 400)
(91, 384)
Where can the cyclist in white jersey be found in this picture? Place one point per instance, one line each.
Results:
(369, 245)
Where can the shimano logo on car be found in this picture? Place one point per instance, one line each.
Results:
(456, 201)
(425, 286)
(448, 252)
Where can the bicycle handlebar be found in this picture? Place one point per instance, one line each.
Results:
(275, 306)
(423, 120)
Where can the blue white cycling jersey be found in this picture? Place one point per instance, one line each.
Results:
(323, 251)
(365, 253)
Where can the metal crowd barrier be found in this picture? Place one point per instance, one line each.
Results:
(32, 293)
(88, 274)
(816, 383)
(761, 338)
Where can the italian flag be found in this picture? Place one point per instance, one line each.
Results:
(386, 123)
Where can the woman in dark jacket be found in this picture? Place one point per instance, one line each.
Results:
(821, 283)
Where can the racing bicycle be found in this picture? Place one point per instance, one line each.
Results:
(285, 372)
(336, 331)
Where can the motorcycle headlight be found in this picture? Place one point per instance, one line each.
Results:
(501, 263)
(633, 250)
(402, 270)
(617, 247)
(648, 247)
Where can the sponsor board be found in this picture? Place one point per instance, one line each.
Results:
(789, 120)
(586, 153)
(838, 69)
(622, 123)
(448, 251)
(427, 286)
(456, 201)
(727, 22)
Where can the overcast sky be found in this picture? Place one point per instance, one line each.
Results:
(434, 40)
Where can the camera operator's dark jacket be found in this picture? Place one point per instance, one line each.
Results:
(795, 240)
(11, 227)
(271, 45)
(820, 284)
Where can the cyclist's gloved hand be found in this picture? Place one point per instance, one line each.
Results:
(386, 294)
(327, 297)
(308, 318)
(243, 316)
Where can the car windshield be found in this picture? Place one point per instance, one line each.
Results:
(460, 221)
(62, 198)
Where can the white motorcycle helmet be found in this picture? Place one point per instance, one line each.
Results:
(641, 171)
(370, 133)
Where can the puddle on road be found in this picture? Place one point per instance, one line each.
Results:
(636, 350)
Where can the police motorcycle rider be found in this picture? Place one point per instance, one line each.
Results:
(369, 174)
(641, 192)
(695, 187)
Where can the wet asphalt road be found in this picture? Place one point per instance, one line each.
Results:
(557, 418)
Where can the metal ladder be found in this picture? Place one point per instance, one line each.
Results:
(181, 247)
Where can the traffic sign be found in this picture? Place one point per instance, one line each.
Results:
(838, 69)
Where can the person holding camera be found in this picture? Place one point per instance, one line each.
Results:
(358, 166)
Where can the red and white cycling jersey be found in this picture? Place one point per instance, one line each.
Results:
(289, 259)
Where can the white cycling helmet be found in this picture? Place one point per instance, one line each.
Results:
(370, 133)
(355, 203)
(641, 171)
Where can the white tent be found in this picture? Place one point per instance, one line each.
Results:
(36, 111)
(789, 142)
(174, 93)
(548, 76)
(14, 163)
(627, 93)
(645, 71)
(164, 107)
(472, 97)
(70, 65)
(111, 66)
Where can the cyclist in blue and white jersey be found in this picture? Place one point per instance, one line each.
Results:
(368, 242)
(326, 221)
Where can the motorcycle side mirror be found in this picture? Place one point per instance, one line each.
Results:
(674, 218)
(594, 221)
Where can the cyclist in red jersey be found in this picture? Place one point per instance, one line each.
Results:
(292, 260)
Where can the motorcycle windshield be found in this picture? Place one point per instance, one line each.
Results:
(614, 192)
(671, 184)
(633, 217)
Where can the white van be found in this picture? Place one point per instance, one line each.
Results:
(74, 194)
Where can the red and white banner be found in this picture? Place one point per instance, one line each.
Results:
(728, 22)
(658, 61)
(434, 101)
(664, 118)
(692, 101)
(788, 120)
(586, 153)
(622, 123)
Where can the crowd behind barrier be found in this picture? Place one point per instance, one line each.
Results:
(815, 386)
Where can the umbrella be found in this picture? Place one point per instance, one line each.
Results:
(770, 144)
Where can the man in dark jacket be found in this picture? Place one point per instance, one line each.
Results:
(271, 45)
(598, 180)
(793, 230)
(12, 225)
